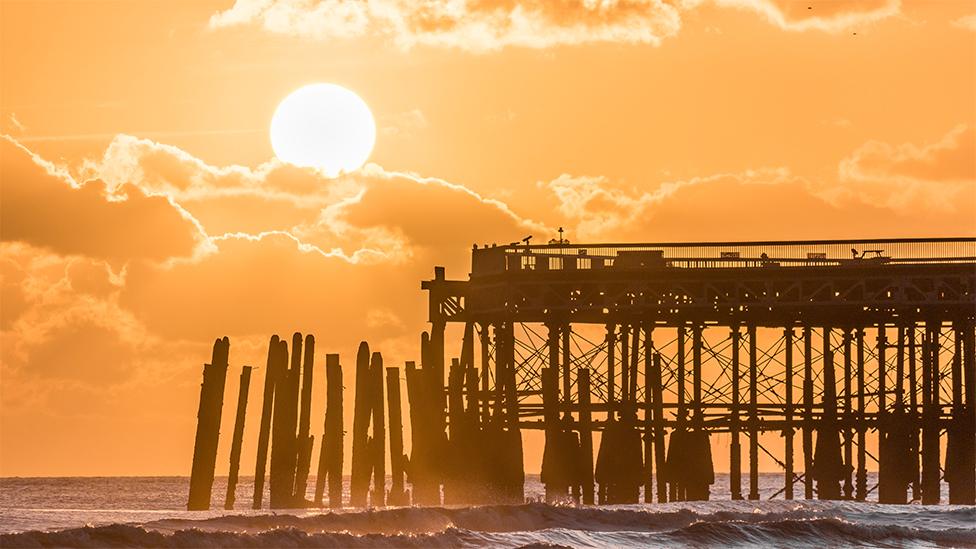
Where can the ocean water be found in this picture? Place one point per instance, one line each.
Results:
(150, 512)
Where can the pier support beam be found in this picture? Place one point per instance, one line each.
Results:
(735, 448)
(788, 411)
(807, 413)
(753, 416)
(931, 412)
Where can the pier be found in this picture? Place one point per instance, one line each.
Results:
(830, 358)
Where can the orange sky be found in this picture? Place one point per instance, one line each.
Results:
(143, 214)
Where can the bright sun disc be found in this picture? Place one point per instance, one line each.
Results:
(324, 126)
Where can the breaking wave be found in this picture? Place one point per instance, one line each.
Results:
(539, 525)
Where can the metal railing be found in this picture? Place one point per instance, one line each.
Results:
(712, 255)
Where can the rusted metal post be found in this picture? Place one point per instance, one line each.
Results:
(566, 330)
(861, 475)
(208, 427)
(960, 466)
(586, 434)
(753, 416)
(735, 448)
(789, 428)
(625, 396)
(611, 367)
(931, 412)
(913, 416)
(807, 413)
(235, 448)
(659, 454)
(648, 418)
(848, 419)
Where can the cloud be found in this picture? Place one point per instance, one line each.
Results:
(940, 175)
(822, 15)
(45, 207)
(475, 25)
(488, 25)
(967, 22)
(405, 123)
(763, 204)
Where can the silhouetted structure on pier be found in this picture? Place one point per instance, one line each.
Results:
(657, 347)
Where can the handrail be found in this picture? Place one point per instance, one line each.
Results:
(752, 254)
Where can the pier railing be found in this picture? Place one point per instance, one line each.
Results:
(711, 255)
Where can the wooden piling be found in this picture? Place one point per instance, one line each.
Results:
(425, 492)
(283, 425)
(398, 494)
(271, 373)
(208, 427)
(235, 448)
(305, 441)
(378, 441)
(362, 409)
(330, 458)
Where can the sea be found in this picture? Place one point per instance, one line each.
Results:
(150, 512)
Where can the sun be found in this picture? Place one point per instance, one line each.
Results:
(323, 126)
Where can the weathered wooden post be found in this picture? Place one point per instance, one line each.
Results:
(271, 373)
(283, 425)
(359, 483)
(304, 442)
(424, 491)
(398, 495)
(553, 474)
(235, 448)
(378, 442)
(208, 427)
(330, 459)
(455, 457)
